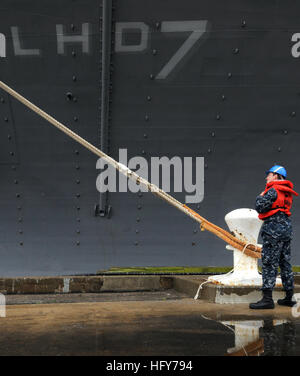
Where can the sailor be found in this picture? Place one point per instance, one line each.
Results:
(274, 208)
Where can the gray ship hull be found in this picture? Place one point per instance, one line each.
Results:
(218, 80)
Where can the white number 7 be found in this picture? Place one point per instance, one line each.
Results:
(2, 46)
(198, 29)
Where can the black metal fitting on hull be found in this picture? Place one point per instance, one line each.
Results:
(103, 212)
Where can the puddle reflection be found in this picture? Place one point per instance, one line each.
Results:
(267, 337)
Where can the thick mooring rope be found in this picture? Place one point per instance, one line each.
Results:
(249, 250)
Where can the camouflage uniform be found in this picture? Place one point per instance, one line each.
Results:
(277, 234)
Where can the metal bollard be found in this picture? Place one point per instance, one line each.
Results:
(245, 225)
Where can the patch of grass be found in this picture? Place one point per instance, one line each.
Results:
(167, 270)
(175, 270)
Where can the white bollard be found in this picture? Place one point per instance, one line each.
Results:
(245, 225)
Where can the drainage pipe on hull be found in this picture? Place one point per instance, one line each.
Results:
(103, 208)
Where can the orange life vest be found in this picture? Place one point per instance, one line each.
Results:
(285, 192)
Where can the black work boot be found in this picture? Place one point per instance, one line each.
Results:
(265, 303)
(287, 301)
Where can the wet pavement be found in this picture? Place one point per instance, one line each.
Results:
(150, 323)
